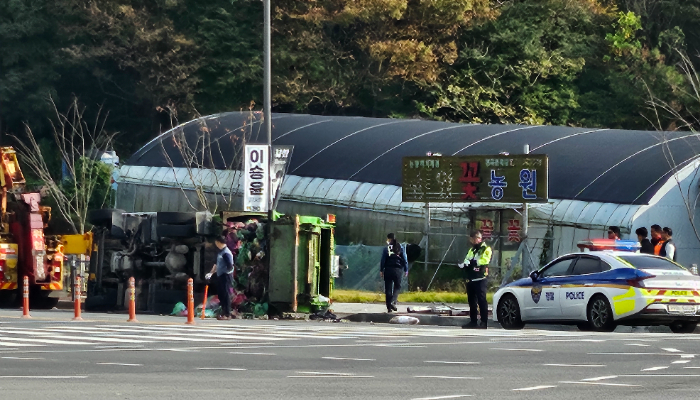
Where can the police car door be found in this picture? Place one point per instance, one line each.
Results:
(582, 284)
(543, 300)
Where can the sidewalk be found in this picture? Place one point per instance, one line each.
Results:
(376, 312)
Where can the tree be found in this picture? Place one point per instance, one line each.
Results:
(79, 145)
(521, 67)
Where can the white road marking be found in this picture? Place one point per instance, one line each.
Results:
(599, 383)
(454, 396)
(687, 355)
(315, 373)
(661, 376)
(331, 376)
(252, 354)
(654, 368)
(691, 367)
(534, 388)
(43, 377)
(448, 377)
(671, 350)
(453, 362)
(574, 365)
(533, 350)
(122, 364)
(349, 359)
(12, 344)
(637, 344)
(681, 362)
(599, 378)
(221, 369)
(21, 358)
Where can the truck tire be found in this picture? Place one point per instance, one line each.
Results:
(176, 231)
(175, 218)
(102, 217)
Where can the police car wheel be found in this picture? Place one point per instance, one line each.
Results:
(683, 327)
(508, 313)
(600, 316)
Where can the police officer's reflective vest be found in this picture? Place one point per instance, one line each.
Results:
(482, 256)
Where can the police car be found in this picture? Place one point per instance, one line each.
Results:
(600, 289)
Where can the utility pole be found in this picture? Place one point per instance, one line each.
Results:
(267, 101)
(525, 226)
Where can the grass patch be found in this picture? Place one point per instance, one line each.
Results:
(358, 296)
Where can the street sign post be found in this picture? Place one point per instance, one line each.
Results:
(521, 178)
(256, 178)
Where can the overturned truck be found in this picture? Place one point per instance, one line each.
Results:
(287, 264)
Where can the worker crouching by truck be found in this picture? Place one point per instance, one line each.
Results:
(224, 277)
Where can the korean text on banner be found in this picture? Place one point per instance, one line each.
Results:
(256, 178)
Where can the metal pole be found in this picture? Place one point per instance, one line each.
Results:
(267, 93)
(427, 235)
(525, 226)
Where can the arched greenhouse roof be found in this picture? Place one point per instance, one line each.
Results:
(600, 165)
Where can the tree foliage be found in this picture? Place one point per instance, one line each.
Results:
(155, 63)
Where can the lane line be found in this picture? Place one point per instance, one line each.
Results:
(691, 367)
(599, 378)
(599, 383)
(654, 368)
(122, 364)
(687, 355)
(221, 369)
(22, 358)
(315, 373)
(681, 362)
(349, 359)
(672, 350)
(534, 388)
(453, 362)
(637, 344)
(331, 376)
(532, 350)
(454, 396)
(661, 376)
(448, 377)
(252, 354)
(575, 365)
(43, 377)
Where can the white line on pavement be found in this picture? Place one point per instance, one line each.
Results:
(599, 378)
(574, 365)
(533, 350)
(349, 359)
(681, 362)
(453, 362)
(447, 377)
(43, 377)
(122, 364)
(221, 369)
(671, 350)
(331, 376)
(637, 344)
(21, 358)
(661, 376)
(315, 373)
(599, 383)
(654, 368)
(687, 355)
(252, 354)
(454, 396)
(534, 388)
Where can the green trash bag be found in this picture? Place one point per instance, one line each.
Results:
(179, 309)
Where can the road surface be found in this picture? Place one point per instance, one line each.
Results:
(104, 357)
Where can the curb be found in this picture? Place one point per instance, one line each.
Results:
(425, 319)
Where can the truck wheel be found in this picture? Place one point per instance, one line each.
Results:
(176, 231)
(102, 217)
(600, 316)
(175, 218)
(42, 301)
(683, 327)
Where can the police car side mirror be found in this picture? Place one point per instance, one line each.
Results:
(533, 276)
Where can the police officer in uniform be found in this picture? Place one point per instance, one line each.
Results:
(393, 266)
(476, 267)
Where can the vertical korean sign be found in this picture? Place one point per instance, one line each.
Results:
(256, 179)
(519, 178)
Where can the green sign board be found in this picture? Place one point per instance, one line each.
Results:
(471, 179)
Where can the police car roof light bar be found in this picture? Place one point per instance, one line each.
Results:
(609, 245)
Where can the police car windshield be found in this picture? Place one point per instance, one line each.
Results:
(648, 262)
